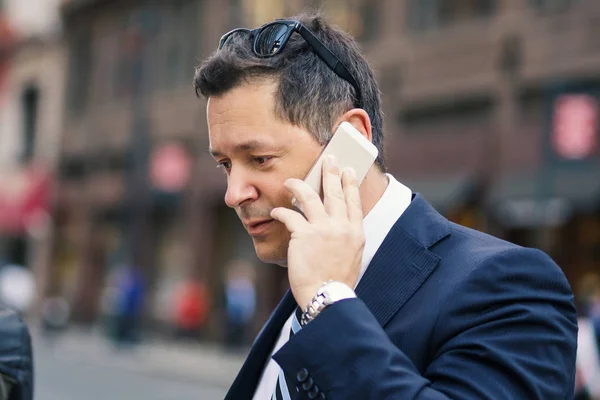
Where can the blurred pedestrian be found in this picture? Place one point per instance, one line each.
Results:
(240, 295)
(128, 305)
(191, 309)
(54, 314)
(17, 287)
(587, 385)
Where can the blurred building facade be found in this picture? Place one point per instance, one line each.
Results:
(31, 108)
(471, 91)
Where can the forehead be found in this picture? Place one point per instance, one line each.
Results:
(244, 114)
(250, 102)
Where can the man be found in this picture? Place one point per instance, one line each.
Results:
(404, 304)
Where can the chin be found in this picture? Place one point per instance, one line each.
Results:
(271, 253)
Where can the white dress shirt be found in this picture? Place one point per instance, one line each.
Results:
(376, 224)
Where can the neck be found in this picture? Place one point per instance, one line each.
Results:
(372, 188)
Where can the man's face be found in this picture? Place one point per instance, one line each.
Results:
(258, 152)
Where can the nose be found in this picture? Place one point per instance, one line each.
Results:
(239, 189)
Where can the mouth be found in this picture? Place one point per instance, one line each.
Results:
(259, 227)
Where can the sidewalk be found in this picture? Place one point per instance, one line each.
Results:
(205, 363)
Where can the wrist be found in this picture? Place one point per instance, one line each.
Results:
(327, 294)
(306, 294)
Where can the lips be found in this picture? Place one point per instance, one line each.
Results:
(256, 228)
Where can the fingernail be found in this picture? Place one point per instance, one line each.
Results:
(351, 172)
(332, 160)
(288, 182)
(296, 205)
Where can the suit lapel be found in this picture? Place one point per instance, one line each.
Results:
(245, 383)
(403, 261)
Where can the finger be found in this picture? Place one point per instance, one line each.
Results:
(352, 195)
(307, 200)
(333, 194)
(292, 220)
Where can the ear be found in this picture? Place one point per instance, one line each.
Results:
(360, 120)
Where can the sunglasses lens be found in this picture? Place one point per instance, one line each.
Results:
(227, 37)
(270, 39)
(223, 40)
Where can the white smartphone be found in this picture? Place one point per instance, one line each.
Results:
(351, 149)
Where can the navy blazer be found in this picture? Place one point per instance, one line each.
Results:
(443, 312)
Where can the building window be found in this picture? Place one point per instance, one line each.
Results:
(459, 116)
(552, 5)
(369, 11)
(259, 12)
(30, 104)
(432, 14)
(72, 168)
(192, 40)
(236, 14)
(80, 63)
(180, 42)
(359, 17)
(531, 110)
(126, 47)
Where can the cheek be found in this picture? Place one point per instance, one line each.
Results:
(275, 191)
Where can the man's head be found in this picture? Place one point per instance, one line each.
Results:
(269, 118)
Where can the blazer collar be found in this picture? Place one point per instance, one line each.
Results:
(245, 383)
(403, 261)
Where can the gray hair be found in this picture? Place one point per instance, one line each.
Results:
(309, 94)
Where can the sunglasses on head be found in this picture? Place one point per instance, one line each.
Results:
(270, 39)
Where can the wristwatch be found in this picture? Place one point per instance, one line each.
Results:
(329, 293)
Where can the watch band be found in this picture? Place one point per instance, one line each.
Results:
(313, 309)
(329, 293)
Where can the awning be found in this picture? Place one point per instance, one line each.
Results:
(443, 192)
(545, 198)
(24, 200)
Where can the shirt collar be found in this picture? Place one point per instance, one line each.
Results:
(382, 217)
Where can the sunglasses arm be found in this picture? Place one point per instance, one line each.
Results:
(329, 58)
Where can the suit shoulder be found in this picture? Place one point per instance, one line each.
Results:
(483, 245)
(480, 239)
(474, 254)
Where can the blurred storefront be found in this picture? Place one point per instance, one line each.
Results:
(456, 196)
(31, 87)
(24, 210)
(561, 218)
(136, 183)
(557, 207)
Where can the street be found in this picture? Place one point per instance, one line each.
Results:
(91, 370)
(72, 380)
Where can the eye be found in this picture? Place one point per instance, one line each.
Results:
(224, 164)
(262, 159)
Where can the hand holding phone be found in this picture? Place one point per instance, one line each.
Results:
(351, 149)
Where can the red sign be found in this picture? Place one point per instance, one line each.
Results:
(24, 199)
(170, 168)
(575, 126)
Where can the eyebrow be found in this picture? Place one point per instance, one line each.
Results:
(244, 146)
